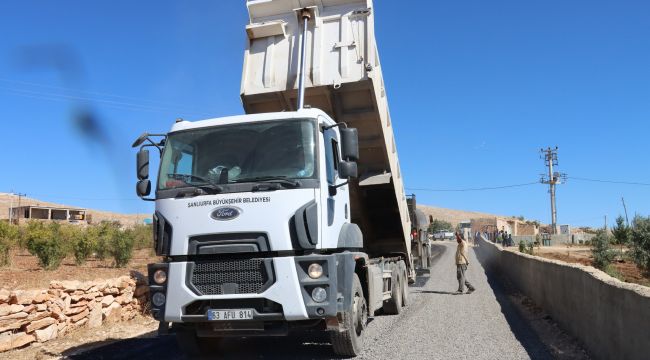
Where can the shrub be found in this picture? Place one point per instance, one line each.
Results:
(9, 235)
(143, 236)
(530, 249)
(611, 271)
(105, 232)
(70, 234)
(122, 247)
(640, 242)
(84, 246)
(522, 246)
(5, 247)
(621, 231)
(46, 243)
(35, 230)
(601, 251)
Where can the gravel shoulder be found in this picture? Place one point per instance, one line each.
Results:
(436, 325)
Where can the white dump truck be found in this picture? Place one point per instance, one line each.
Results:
(292, 216)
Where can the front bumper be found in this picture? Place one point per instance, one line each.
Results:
(288, 298)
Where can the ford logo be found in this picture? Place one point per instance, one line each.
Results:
(225, 213)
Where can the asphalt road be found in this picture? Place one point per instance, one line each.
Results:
(437, 324)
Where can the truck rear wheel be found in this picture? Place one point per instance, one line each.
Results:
(350, 341)
(404, 283)
(393, 306)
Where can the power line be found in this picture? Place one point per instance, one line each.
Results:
(179, 106)
(475, 189)
(49, 197)
(610, 181)
(130, 106)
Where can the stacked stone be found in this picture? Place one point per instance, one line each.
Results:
(28, 316)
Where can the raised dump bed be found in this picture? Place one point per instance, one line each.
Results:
(344, 79)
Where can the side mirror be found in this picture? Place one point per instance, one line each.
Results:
(347, 169)
(140, 140)
(349, 144)
(142, 164)
(143, 187)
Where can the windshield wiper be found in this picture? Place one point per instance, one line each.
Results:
(281, 180)
(203, 184)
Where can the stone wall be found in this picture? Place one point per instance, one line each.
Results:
(28, 316)
(609, 317)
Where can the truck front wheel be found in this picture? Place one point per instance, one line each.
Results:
(350, 341)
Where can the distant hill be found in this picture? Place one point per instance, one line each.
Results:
(454, 216)
(97, 215)
(450, 215)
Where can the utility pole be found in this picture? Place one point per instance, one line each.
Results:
(11, 205)
(20, 195)
(550, 159)
(625, 208)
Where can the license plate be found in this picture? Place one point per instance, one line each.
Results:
(230, 314)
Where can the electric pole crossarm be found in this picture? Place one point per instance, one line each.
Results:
(554, 178)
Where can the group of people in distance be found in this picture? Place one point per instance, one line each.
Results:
(501, 237)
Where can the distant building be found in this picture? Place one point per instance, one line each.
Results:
(565, 229)
(48, 213)
(465, 228)
(512, 226)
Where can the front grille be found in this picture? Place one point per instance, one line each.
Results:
(220, 277)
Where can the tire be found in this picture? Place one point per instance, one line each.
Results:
(404, 283)
(194, 346)
(393, 306)
(350, 341)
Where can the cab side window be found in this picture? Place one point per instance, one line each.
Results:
(332, 160)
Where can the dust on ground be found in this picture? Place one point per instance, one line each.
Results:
(624, 269)
(25, 273)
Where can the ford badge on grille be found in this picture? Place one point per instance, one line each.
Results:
(225, 213)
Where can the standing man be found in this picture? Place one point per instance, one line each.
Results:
(461, 265)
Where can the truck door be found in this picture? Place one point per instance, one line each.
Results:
(336, 210)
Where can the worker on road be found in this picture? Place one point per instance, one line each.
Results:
(461, 265)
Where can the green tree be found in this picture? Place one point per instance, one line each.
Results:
(621, 231)
(46, 243)
(105, 232)
(122, 247)
(84, 245)
(143, 236)
(9, 235)
(640, 241)
(601, 251)
(440, 225)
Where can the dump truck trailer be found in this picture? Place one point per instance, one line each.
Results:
(292, 216)
(420, 243)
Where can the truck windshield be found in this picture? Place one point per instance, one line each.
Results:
(239, 153)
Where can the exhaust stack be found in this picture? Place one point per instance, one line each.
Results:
(304, 16)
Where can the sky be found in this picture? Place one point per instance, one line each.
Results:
(475, 89)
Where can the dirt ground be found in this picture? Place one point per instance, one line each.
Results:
(624, 270)
(25, 273)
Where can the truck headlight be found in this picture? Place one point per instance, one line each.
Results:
(158, 299)
(160, 276)
(315, 271)
(319, 294)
